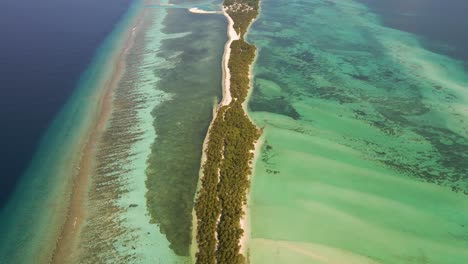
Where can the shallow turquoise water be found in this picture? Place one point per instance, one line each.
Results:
(148, 160)
(365, 141)
(118, 227)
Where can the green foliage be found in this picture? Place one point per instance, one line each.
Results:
(225, 182)
(207, 206)
(234, 181)
(242, 56)
(242, 13)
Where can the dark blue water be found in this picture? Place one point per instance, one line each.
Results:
(441, 24)
(44, 48)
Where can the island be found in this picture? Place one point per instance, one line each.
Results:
(230, 148)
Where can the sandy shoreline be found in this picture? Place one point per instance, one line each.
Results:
(197, 10)
(194, 246)
(245, 220)
(66, 242)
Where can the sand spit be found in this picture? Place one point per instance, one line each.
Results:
(197, 10)
(66, 243)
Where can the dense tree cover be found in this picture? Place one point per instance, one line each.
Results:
(242, 13)
(207, 206)
(225, 182)
(224, 186)
(239, 139)
(242, 56)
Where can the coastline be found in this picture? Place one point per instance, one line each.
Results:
(245, 221)
(194, 246)
(76, 216)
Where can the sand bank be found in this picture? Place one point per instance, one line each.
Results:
(197, 10)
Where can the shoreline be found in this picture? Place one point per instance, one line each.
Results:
(76, 216)
(194, 246)
(245, 220)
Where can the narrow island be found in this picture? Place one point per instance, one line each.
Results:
(221, 200)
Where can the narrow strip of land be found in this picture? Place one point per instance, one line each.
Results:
(221, 200)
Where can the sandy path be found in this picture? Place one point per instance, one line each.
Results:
(232, 35)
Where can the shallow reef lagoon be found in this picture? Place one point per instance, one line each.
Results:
(150, 148)
(365, 146)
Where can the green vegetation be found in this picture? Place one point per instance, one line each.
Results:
(242, 12)
(219, 206)
(239, 137)
(207, 206)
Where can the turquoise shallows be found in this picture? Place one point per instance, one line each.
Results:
(365, 147)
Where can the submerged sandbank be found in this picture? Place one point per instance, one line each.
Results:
(77, 213)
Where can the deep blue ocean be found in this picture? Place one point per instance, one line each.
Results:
(442, 25)
(45, 46)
